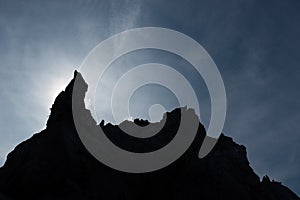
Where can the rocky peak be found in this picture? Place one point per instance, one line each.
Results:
(54, 164)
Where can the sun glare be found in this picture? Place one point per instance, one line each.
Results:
(56, 85)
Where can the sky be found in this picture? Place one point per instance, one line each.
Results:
(254, 44)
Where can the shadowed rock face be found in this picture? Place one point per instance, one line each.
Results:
(54, 164)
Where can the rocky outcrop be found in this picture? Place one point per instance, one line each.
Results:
(54, 164)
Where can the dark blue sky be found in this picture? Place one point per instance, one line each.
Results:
(254, 44)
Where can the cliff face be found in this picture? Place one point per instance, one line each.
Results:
(54, 164)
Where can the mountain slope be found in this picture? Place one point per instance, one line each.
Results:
(54, 164)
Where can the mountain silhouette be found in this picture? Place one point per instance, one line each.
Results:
(54, 164)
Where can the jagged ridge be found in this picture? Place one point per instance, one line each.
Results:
(54, 164)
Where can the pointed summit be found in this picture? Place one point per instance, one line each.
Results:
(63, 102)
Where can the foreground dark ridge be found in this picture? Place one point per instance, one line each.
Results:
(54, 164)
